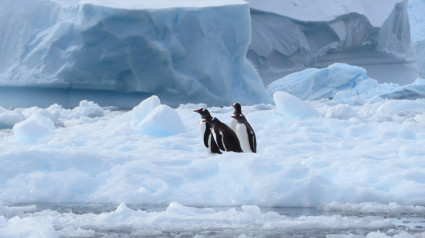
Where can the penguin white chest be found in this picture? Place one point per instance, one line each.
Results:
(202, 128)
(233, 123)
(242, 134)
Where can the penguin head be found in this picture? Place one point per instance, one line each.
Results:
(205, 114)
(237, 107)
(213, 121)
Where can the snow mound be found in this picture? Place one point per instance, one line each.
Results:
(144, 108)
(33, 128)
(9, 118)
(291, 106)
(161, 121)
(88, 109)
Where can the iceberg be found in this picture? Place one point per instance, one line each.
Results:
(289, 36)
(118, 53)
(416, 9)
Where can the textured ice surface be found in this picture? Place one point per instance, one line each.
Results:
(290, 106)
(343, 83)
(289, 36)
(357, 169)
(112, 50)
(416, 10)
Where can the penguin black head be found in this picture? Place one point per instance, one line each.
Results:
(205, 114)
(212, 121)
(237, 107)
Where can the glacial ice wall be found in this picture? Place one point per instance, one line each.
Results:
(289, 36)
(117, 53)
(416, 9)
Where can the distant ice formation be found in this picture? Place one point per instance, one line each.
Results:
(289, 36)
(343, 83)
(416, 9)
(117, 53)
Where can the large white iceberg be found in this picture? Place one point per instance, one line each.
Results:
(416, 9)
(119, 52)
(289, 36)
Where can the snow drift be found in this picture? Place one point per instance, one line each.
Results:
(66, 51)
(289, 36)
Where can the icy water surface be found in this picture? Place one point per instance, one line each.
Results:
(176, 220)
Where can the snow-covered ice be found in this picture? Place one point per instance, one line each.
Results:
(356, 160)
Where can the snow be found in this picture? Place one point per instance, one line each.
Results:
(117, 53)
(359, 158)
(289, 36)
(290, 106)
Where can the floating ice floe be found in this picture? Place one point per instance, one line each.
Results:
(291, 106)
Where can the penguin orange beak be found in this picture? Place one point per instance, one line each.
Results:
(234, 116)
(204, 120)
(197, 111)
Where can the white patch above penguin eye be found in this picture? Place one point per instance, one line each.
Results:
(203, 109)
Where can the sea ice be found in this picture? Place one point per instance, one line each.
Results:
(37, 126)
(290, 106)
(161, 121)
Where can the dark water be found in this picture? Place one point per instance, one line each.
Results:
(412, 223)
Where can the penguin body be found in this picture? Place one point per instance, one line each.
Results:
(245, 134)
(206, 132)
(225, 137)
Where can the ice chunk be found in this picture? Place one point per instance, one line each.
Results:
(9, 118)
(88, 109)
(144, 108)
(161, 121)
(291, 106)
(313, 84)
(35, 127)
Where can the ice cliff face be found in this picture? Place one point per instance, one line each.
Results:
(288, 36)
(416, 9)
(122, 51)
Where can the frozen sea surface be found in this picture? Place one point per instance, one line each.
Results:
(350, 166)
(176, 220)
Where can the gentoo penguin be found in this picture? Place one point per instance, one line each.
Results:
(236, 112)
(205, 130)
(246, 134)
(226, 138)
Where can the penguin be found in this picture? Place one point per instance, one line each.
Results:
(205, 130)
(226, 138)
(246, 134)
(237, 111)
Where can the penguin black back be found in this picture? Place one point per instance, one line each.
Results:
(226, 138)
